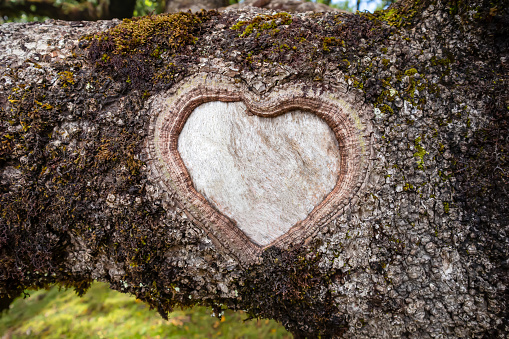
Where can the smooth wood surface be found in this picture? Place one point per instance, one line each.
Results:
(266, 174)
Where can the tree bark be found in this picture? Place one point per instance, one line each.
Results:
(290, 6)
(411, 241)
(174, 6)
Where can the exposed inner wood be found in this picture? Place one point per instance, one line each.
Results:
(266, 174)
(172, 111)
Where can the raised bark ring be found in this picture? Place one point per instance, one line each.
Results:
(339, 108)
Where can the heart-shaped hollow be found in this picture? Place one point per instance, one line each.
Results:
(343, 116)
(265, 174)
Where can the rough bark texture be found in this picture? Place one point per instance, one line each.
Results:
(421, 249)
(174, 6)
(290, 6)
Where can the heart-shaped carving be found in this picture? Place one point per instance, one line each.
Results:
(266, 174)
(255, 172)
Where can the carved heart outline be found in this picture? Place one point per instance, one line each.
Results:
(345, 117)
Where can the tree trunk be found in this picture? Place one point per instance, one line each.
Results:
(343, 174)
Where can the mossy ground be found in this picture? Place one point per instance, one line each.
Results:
(103, 313)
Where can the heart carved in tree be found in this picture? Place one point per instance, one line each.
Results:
(257, 172)
(265, 174)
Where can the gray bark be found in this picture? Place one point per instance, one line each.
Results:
(194, 6)
(290, 6)
(412, 240)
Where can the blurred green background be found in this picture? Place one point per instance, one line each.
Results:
(104, 313)
(39, 10)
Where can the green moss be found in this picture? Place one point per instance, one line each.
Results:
(386, 109)
(154, 32)
(66, 78)
(442, 61)
(391, 17)
(397, 16)
(331, 41)
(262, 23)
(411, 72)
(133, 49)
(420, 153)
(446, 207)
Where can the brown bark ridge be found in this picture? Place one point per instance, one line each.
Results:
(417, 247)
